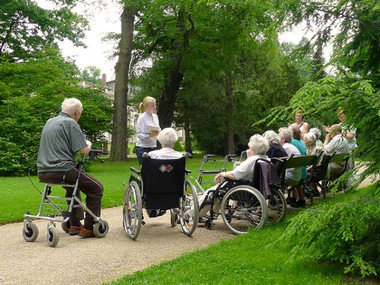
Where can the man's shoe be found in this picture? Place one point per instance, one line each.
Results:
(85, 233)
(298, 204)
(73, 231)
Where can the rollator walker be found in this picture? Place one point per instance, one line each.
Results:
(53, 210)
(161, 184)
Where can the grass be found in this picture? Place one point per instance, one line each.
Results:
(254, 258)
(18, 195)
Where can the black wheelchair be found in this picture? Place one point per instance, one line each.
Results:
(53, 210)
(161, 184)
(246, 204)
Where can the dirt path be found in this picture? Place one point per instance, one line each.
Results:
(93, 261)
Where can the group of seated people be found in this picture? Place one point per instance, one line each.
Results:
(289, 141)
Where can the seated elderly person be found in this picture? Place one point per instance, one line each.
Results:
(258, 146)
(317, 133)
(335, 142)
(167, 138)
(310, 141)
(292, 175)
(275, 148)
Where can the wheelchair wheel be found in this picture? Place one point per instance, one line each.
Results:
(132, 210)
(244, 207)
(101, 229)
(66, 226)
(276, 206)
(209, 224)
(189, 209)
(30, 232)
(173, 218)
(52, 236)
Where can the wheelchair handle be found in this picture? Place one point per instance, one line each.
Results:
(188, 155)
(207, 156)
(230, 157)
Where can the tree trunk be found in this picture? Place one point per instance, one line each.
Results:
(230, 111)
(187, 135)
(119, 132)
(173, 82)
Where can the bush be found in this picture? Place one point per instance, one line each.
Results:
(348, 232)
(178, 146)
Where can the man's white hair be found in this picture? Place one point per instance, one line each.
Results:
(70, 105)
(286, 134)
(310, 137)
(316, 132)
(272, 137)
(167, 137)
(258, 144)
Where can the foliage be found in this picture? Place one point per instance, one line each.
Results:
(178, 146)
(31, 93)
(352, 26)
(361, 103)
(207, 44)
(26, 28)
(92, 74)
(348, 232)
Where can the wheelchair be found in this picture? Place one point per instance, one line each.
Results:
(242, 205)
(51, 209)
(161, 184)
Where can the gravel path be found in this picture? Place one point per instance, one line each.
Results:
(93, 261)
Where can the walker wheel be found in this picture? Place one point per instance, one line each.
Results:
(52, 236)
(31, 232)
(101, 229)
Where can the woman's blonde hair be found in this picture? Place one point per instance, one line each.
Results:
(144, 104)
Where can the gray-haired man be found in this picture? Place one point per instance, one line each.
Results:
(61, 139)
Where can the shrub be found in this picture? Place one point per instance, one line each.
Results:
(348, 232)
(178, 146)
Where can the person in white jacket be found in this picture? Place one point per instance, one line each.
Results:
(147, 140)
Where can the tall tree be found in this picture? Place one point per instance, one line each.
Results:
(119, 132)
(26, 27)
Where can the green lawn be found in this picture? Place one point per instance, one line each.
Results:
(18, 195)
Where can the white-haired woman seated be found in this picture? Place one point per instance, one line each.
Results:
(310, 141)
(167, 138)
(275, 148)
(258, 147)
(317, 133)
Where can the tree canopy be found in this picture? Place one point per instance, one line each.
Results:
(26, 28)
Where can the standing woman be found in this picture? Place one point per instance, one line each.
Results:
(300, 123)
(147, 140)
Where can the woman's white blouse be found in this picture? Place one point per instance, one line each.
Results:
(143, 139)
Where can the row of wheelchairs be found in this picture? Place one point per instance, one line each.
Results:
(268, 188)
(163, 185)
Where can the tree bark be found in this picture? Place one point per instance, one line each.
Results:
(119, 132)
(168, 98)
(230, 111)
(187, 135)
